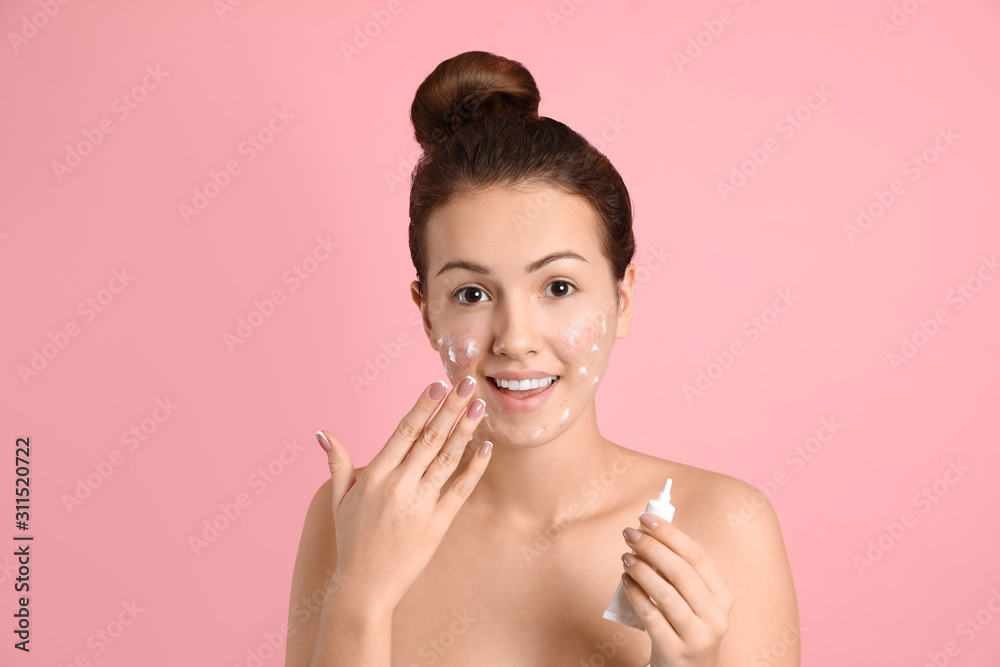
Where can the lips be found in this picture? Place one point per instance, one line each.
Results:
(522, 394)
(528, 400)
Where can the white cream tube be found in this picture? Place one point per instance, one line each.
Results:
(620, 610)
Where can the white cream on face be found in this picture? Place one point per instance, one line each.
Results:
(458, 350)
(579, 342)
(582, 335)
(445, 343)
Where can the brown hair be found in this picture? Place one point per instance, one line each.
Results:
(476, 117)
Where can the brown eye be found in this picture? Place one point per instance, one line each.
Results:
(562, 293)
(475, 292)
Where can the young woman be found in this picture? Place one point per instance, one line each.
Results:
(491, 532)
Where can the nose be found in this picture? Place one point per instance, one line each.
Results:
(517, 333)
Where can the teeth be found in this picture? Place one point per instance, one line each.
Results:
(523, 385)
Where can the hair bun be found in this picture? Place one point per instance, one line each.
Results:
(468, 88)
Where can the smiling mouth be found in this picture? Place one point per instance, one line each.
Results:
(531, 387)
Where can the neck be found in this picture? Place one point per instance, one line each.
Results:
(553, 483)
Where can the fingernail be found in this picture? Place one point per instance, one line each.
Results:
(627, 580)
(323, 442)
(629, 559)
(485, 449)
(438, 390)
(649, 520)
(465, 387)
(631, 535)
(477, 408)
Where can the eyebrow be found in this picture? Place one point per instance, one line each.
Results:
(534, 266)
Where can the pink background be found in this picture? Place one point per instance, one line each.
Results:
(333, 172)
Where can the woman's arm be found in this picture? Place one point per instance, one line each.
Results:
(764, 621)
(353, 632)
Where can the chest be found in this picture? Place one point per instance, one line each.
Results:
(533, 600)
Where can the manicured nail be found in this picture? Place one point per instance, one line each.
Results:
(631, 535)
(650, 521)
(627, 580)
(465, 386)
(438, 390)
(477, 408)
(323, 442)
(485, 449)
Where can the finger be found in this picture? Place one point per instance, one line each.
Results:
(447, 460)
(341, 466)
(436, 432)
(408, 430)
(459, 491)
(656, 624)
(692, 555)
(667, 605)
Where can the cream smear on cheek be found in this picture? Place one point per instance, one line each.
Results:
(458, 353)
(579, 346)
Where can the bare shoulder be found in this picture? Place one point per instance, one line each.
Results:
(314, 570)
(738, 529)
(713, 507)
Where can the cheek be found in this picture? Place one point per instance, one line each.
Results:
(584, 337)
(584, 345)
(459, 352)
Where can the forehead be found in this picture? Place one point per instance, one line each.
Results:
(508, 228)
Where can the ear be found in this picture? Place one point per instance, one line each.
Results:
(422, 305)
(626, 293)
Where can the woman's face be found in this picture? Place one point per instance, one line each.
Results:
(517, 284)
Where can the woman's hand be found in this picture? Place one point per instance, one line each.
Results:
(692, 608)
(391, 519)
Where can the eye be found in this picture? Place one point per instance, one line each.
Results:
(566, 283)
(475, 293)
(472, 289)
